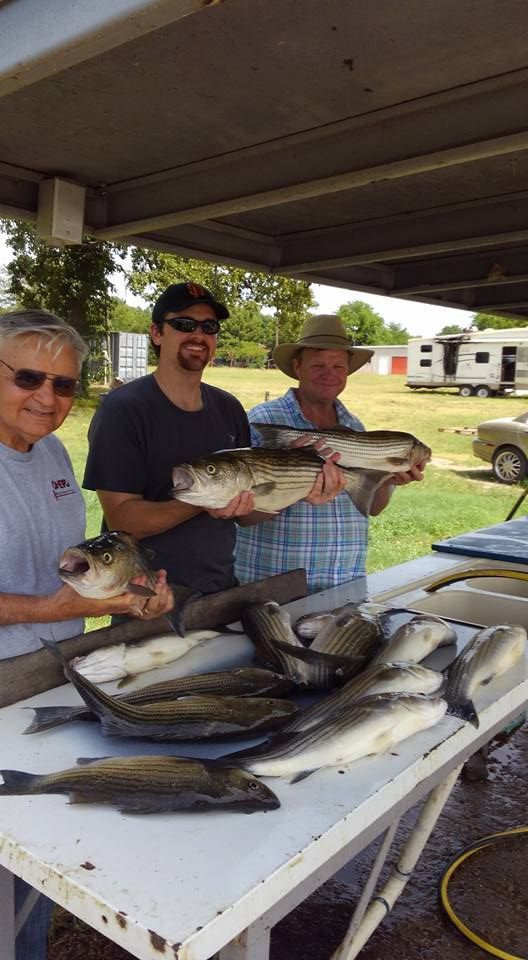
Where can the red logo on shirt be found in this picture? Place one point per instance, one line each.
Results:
(61, 488)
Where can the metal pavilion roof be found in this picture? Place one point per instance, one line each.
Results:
(376, 146)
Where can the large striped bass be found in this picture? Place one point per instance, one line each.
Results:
(388, 450)
(309, 624)
(369, 727)
(187, 718)
(350, 633)
(276, 478)
(379, 678)
(269, 628)
(415, 640)
(148, 785)
(490, 653)
(239, 682)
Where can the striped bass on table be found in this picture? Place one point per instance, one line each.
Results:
(415, 640)
(142, 785)
(276, 478)
(366, 728)
(309, 624)
(188, 718)
(490, 653)
(379, 678)
(269, 628)
(390, 451)
(239, 682)
(120, 660)
(350, 633)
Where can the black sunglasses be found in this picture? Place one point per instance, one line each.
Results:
(189, 325)
(33, 379)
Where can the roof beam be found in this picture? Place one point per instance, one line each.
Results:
(39, 40)
(460, 285)
(320, 187)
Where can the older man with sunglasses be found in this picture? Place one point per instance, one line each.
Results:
(151, 424)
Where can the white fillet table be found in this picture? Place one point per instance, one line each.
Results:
(184, 886)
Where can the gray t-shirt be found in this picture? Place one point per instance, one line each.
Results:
(41, 513)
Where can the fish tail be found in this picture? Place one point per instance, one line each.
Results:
(56, 652)
(465, 710)
(47, 717)
(17, 782)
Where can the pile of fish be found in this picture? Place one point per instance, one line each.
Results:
(380, 695)
(279, 475)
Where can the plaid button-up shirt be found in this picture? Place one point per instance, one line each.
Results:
(329, 541)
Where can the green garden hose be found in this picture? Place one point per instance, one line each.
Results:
(444, 899)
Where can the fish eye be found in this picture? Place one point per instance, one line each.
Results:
(210, 469)
(107, 558)
(254, 785)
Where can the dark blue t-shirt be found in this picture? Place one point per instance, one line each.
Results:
(135, 439)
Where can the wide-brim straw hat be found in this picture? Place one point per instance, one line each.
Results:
(321, 332)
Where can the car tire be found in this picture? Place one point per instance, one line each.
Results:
(509, 465)
(465, 391)
(482, 392)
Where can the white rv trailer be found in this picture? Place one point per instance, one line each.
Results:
(482, 363)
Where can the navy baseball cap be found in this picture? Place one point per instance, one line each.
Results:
(181, 295)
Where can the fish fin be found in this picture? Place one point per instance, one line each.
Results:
(16, 782)
(84, 761)
(464, 711)
(139, 590)
(361, 486)
(315, 656)
(82, 796)
(182, 596)
(303, 774)
(53, 648)
(126, 681)
(47, 717)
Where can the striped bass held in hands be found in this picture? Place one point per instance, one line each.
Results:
(239, 682)
(390, 451)
(107, 566)
(187, 718)
(367, 728)
(415, 640)
(269, 628)
(276, 478)
(379, 678)
(490, 653)
(148, 785)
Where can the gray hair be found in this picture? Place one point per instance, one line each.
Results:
(44, 324)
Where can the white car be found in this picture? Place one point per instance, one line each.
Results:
(504, 443)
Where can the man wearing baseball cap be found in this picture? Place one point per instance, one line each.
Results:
(148, 426)
(325, 533)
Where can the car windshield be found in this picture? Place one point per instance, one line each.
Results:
(522, 418)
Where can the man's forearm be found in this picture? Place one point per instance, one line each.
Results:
(146, 518)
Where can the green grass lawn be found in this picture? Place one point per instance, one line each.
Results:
(458, 493)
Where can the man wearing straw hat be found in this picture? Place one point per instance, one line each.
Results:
(326, 534)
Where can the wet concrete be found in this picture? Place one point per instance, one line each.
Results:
(490, 891)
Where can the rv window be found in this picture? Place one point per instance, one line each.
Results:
(482, 358)
(425, 363)
(426, 348)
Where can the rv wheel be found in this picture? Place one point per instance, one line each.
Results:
(465, 391)
(482, 392)
(509, 465)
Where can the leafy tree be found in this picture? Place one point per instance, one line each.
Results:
(450, 328)
(365, 326)
(128, 319)
(246, 324)
(73, 282)
(485, 321)
(289, 300)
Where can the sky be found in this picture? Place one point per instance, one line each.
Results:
(421, 320)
